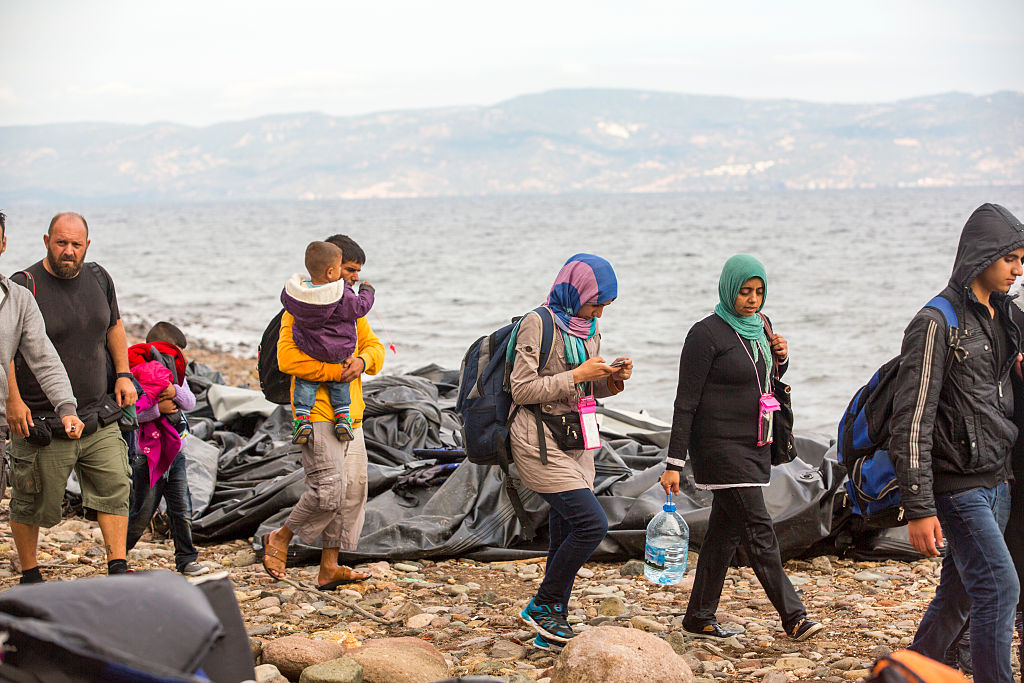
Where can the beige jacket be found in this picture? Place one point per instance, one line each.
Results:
(553, 389)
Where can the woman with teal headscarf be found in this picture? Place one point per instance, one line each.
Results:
(725, 369)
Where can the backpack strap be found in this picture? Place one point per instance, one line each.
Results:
(948, 311)
(504, 457)
(768, 331)
(101, 277)
(547, 334)
(29, 278)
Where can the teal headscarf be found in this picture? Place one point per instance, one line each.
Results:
(737, 270)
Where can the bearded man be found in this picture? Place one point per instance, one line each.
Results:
(79, 307)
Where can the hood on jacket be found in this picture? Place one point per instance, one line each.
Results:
(143, 353)
(311, 307)
(989, 234)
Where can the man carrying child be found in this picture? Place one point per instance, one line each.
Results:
(332, 507)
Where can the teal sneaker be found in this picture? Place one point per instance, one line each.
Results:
(545, 644)
(548, 620)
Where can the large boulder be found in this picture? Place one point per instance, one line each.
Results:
(292, 654)
(611, 654)
(399, 660)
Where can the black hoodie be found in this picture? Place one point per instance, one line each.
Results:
(956, 432)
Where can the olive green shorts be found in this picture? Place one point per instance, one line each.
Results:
(39, 475)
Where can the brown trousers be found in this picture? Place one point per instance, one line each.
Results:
(332, 509)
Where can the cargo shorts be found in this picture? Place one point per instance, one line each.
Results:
(39, 475)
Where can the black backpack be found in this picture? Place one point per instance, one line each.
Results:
(276, 386)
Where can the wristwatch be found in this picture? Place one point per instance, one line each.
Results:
(124, 375)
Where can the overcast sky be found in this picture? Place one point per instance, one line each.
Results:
(203, 62)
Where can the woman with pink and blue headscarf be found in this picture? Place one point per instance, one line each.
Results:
(549, 457)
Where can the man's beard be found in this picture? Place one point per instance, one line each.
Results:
(64, 269)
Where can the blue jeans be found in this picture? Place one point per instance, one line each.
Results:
(576, 524)
(173, 487)
(304, 396)
(977, 580)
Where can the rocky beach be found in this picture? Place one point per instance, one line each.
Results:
(426, 620)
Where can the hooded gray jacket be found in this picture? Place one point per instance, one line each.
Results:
(954, 431)
(22, 330)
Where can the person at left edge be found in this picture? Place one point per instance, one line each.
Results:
(79, 306)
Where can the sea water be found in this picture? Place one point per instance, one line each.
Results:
(668, 542)
(846, 270)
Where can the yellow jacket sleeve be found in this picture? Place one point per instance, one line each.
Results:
(292, 361)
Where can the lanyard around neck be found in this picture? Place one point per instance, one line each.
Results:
(757, 375)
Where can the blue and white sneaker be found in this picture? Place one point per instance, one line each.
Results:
(545, 644)
(548, 620)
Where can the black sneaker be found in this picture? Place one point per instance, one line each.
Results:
(712, 631)
(548, 620)
(805, 630)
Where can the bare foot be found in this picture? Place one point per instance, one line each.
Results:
(339, 577)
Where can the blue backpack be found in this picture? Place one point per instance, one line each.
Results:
(485, 402)
(872, 489)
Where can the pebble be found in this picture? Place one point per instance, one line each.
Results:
(632, 568)
(404, 567)
(612, 607)
(505, 649)
(419, 620)
(648, 624)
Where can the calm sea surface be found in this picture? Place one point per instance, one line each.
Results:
(847, 270)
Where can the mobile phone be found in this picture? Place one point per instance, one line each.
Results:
(617, 364)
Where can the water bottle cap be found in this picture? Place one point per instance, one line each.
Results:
(669, 506)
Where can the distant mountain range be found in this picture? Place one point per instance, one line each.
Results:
(567, 141)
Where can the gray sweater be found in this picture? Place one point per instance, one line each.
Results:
(22, 329)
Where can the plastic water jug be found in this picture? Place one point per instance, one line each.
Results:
(668, 540)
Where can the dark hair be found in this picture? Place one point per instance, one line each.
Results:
(53, 221)
(348, 246)
(320, 256)
(167, 332)
(3, 225)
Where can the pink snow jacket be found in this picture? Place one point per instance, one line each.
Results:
(158, 440)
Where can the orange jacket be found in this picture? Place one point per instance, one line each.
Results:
(294, 362)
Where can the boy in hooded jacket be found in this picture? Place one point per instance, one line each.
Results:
(325, 308)
(952, 435)
(162, 428)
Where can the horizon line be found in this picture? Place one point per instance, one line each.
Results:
(499, 103)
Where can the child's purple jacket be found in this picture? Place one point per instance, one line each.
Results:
(325, 317)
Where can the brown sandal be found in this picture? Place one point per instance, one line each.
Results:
(274, 553)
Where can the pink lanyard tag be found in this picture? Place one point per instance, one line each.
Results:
(766, 418)
(587, 408)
